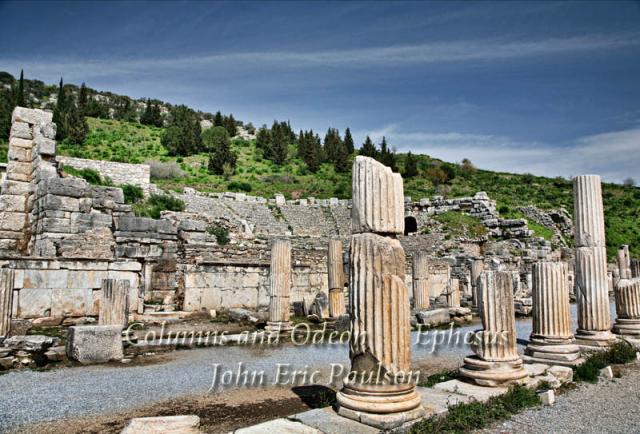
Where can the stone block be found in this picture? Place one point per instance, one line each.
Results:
(71, 302)
(433, 317)
(12, 221)
(17, 171)
(69, 187)
(479, 393)
(45, 146)
(21, 130)
(43, 278)
(48, 130)
(60, 203)
(95, 344)
(12, 203)
(20, 143)
(548, 397)
(19, 154)
(34, 302)
(280, 426)
(31, 116)
(330, 422)
(31, 342)
(16, 187)
(606, 373)
(437, 402)
(55, 225)
(163, 424)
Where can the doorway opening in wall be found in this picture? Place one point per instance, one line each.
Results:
(410, 225)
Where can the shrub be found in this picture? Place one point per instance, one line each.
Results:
(221, 234)
(168, 170)
(132, 193)
(153, 206)
(90, 175)
(439, 377)
(239, 186)
(619, 353)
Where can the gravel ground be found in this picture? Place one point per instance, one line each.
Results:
(611, 407)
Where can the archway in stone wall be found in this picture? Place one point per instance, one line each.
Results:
(410, 225)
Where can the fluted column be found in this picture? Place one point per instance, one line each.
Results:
(114, 306)
(551, 339)
(421, 281)
(453, 295)
(6, 300)
(477, 266)
(496, 359)
(592, 293)
(624, 262)
(635, 268)
(627, 323)
(335, 271)
(379, 390)
(279, 285)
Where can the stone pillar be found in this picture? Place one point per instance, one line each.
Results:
(592, 294)
(453, 295)
(6, 300)
(477, 266)
(421, 281)
(496, 361)
(624, 263)
(280, 285)
(551, 339)
(335, 271)
(379, 390)
(635, 268)
(627, 323)
(114, 307)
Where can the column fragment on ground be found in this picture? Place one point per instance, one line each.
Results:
(592, 292)
(279, 285)
(379, 389)
(114, 306)
(627, 323)
(496, 361)
(6, 300)
(551, 339)
(336, 279)
(421, 281)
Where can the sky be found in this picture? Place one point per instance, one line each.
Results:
(549, 88)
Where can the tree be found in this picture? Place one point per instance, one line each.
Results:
(629, 182)
(310, 150)
(467, 166)
(75, 124)
(368, 149)
(151, 114)
(19, 99)
(332, 145)
(124, 109)
(436, 175)
(83, 99)
(348, 141)
(410, 166)
(229, 123)
(6, 107)
(279, 147)
(182, 136)
(263, 140)
(218, 120)
(387, 156)
(60, 111)
(222, 159)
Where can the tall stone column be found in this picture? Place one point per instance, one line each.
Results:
(551, 339)
(453, 295)
(624, 263)
(594, 322)
(335, 271)
(635, 268)
(477, 266)
(114, 306)
(279, 285)
(379, 390)
(627, 323)
(6, 300)
(421, 281)
(496, 361)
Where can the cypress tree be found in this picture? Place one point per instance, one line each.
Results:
(82, 99)
(229, 123)
(59, 113)
(20, 99)
(368, 149)
(221, 157)
(217, 120)
(348, 141)
(75, 127)
(278, 149)
(182, 136)
(333, 145)
(410, 166)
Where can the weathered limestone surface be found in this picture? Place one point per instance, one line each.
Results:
(627, 323)
(496, 361)
(163, 424)
(114, 306)
(421, 281)
(591, 287)
(6, 300)
(95, 344)
(119, 173)
(280, 284)
(453, 295)
(624, 262)
(635, 268)
(336, 278)
(378, 198)
(379, 390)
(551, 339)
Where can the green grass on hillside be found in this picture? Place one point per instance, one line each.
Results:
(461, 225)
(134, 143)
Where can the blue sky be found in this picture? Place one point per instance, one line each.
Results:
(543, 87)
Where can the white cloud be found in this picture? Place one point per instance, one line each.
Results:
(427, 53)
(613, 155)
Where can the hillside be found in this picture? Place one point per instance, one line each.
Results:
(132, 142)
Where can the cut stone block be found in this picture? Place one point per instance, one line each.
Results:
(479, 393)
(330, 422)
(280, 426)
(163, 425)
(95, 344)
(437, 401)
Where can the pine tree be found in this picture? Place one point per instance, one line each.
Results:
(348, 141)
(218, 121)
(263, 140)
(410, 166)
(387, 156)
(20, 99)
(83, 99)
(368, 149)
(6, 107)
(151, 114)
(229, 123)
(221, 157)
(332, 145)
(75, 124)
(279, 147)
(182, 136)
(59, 113)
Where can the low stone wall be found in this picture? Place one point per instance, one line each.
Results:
(119, 173)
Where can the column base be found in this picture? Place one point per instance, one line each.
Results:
(380, 406)
(493, 374)
(561, 352)
(627, 327)
(594, 340)
(278, 326)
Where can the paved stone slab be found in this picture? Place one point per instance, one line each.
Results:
(535, 369)
(280, 426)
(437, 401)
(163, 425)
(479, 393)
(330, 422)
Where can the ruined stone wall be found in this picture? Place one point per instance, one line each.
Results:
(119, 173)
